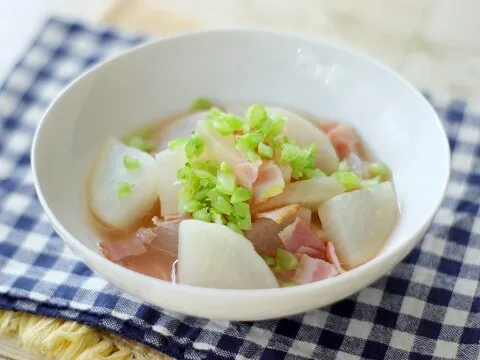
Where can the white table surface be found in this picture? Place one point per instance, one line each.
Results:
(434, 44)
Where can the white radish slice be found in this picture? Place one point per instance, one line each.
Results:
(181, 127)
(307, 193)
(359, 222)
(304, 132)
(213, 255)
(168, 163)
(218, 147)
(109, 171)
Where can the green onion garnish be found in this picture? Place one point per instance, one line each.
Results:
(349, 180)
(226, 183)
(265, 151)
(194, 146)
(222, 206)
(242, 214)
(131, 163)
(217, 218)
(123, 189)
(269, 260)
(313, 173)
(202, 104)
(193, 205)
(141, 143)
(276, 268)
(286, 259)
(172, 145)
(256, 115)
(202, 215)
(299, 158)
(234, 227)
(240, 195)
(379, 169)
(224, 123)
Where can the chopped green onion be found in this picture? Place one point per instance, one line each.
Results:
(224, 123)
(276, 268)
(123, 189)
(343, 166)
(222, 205)
(256, 115)
(184, 172)
(202, 215)
(269, 260)
(172, 145)
(299, 158)
(249, 141)
(242, 213)
(349, 180)
(204, 174)
(141, 143)
(225, 168)
(131, 163)
(202, 104)
(265, 151)
(365, 184)
(234, 227)
(288, 283)
(213, 195)
(289, 152)
(275, 128)
(313, 173)
(144, 133)
(286, 259)
(194, 146)
(253, 157)
(240, 195)
(217, 218)
(207, 165)
(379, 169)
(226, 183)
(202, 193)
(192, 206)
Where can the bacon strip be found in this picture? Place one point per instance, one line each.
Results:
(310, 270)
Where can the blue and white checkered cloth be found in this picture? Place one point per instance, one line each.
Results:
(428, 307)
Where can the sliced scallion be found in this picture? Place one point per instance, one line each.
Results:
(123, 189)
(131, 163)
(286, 259)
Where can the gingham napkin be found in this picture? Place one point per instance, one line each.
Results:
(428, 307)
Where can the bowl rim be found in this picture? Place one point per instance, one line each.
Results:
(383, 259)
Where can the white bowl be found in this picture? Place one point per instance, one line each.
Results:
(310, 75)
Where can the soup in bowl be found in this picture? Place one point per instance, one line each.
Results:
(301, 173)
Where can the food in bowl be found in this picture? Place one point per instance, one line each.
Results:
(215, 199)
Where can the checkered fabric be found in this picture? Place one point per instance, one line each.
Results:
(428, 307)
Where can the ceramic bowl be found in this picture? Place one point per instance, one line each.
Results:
(313, 76)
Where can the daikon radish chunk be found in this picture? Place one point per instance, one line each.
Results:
(168, 162)
(304, 133)
(213, 255)
(359, 222)
(217, 147)
(123, 184)
(180, 128)
(307, 193)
